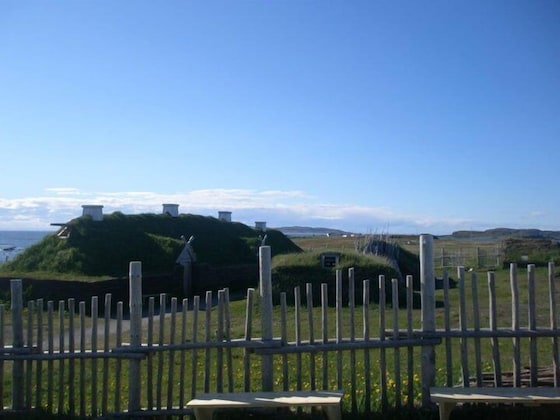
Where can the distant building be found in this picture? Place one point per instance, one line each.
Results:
(225, 216)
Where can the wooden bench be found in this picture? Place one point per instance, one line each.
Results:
(447, 398)
(204, 405)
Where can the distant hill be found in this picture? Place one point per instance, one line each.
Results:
(507, 233)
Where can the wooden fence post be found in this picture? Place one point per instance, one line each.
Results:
(135, 305)
(427, 285)
(17, 331)
(265, 294)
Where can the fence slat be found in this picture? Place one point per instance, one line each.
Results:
(532, 324)
(71, 362)
(476, 327)
(171, 365)
(396, 335)
(409, 349)
(118, 366)
(309, 296)
(194, 383)
(298, 336)
(515, 325)
(150, 362)
(284, 340)
(325, 334)
(50, 349)
(463, 327)
(352, 309)
(382, 351)
(2, 312)
(106, 347)
(16, 291)
(219, 338)
(61, 333)
(365, 334)
(227, 326)
(207, 339)
(29, 363)
(248, 336)
(447, 328)
(339, 327)
(39, 375)
(553, 323)
(494, 327)
(94, 327)
(161, 341)
(182, 366)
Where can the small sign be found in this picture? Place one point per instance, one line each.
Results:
(330, 259)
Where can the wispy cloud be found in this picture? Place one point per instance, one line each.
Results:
(276, 207)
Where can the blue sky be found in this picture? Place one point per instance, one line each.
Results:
(402, 117)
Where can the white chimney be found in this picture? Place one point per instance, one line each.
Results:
(225, 216)
(171, 209)
(95, 211)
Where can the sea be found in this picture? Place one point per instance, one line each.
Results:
(13, 242)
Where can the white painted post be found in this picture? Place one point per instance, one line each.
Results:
(135, 305)
(16, 290)
(265, 294)
(427, 286)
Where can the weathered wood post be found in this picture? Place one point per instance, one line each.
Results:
(265, 294)
(427, 286)
(135, 305)
(16, 290)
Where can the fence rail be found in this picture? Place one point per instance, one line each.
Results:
(93, 360)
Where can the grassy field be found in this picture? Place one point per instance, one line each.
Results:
(349, 244)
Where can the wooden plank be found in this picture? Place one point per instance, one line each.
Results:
(497, 395)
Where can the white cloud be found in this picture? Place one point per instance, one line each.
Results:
(277, 208)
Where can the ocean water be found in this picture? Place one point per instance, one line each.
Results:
(13, 242)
